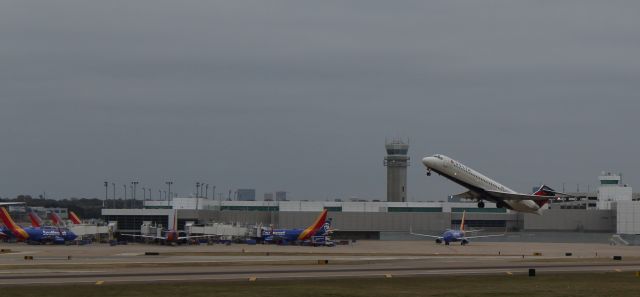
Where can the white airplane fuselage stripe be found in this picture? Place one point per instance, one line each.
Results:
(474, 181)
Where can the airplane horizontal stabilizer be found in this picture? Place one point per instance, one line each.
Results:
(481, 236)
(425, 235)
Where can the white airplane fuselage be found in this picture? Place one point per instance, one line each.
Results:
(478, 184)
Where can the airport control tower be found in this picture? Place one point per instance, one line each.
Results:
(396, 162)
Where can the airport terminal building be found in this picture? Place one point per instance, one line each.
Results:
(364, 220)
(612, 209)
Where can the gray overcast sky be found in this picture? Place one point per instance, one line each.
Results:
(300, 95)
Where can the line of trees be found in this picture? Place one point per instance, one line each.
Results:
(86, 208)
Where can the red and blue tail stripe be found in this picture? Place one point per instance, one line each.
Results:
(311, 230)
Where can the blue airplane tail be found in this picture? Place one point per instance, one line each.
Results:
(326, 228)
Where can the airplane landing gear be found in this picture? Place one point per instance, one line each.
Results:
(428, 172)
(481, 204)
(464, 242)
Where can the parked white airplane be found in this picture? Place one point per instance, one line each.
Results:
(483, 188)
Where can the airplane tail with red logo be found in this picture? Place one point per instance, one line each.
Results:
(55, 218)
(313, 229)
(74, 218)
(462, 222)
(544, 190)
(17, 231)
(35, 219)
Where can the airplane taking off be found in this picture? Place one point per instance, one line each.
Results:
(455, 235)
(483, 188)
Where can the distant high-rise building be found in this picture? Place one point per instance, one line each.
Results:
(268, 196)
(246, 194)
(396, 162)
(281, 196)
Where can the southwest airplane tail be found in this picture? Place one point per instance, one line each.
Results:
(55, 218)
(17, 231)
(313, 229)
(35, 219)
(74, 218)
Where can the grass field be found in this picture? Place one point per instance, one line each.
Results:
(592, 284)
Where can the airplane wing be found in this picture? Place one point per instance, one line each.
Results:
(419, 234)
(425, 235)
(143, 236)
(481, 236)
(519, 197)
(196, 236)
(468, 195)
(10, 203)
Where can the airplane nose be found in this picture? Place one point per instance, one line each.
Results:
(429, 162)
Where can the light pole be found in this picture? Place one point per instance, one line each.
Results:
(206, 193)
(149, 194)
(144, 194)
(134, 183)
(114, 194)
(106, 193)
(197, 189)
(165, 196)
(169, 183)
(125, 195)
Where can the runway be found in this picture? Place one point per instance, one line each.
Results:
(297, 272)
(102, 264)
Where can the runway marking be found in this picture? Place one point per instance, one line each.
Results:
(329, 275)
(19, 253)
(388, 275)
(509, 273)
(99, 283)
(252, 279)
(31, 271)
(618, 270)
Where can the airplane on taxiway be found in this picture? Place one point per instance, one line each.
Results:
(482, 188)
(455, 235)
